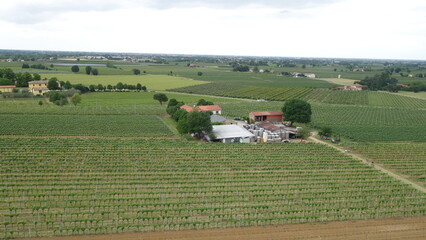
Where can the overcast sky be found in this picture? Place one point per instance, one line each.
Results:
(290, 28)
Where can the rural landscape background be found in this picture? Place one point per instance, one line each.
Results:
(94, 146)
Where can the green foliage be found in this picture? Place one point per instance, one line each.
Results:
(326, 131)
(52, 84)
(297, 110)
(303, 133)
(200, 74)
(76, 99)
(7, 73)
(75, 69)
(379, 81)
(160, 97)
(67, 85)
(5, 81)
(198, 122)
(58, 98)
(203, 102)
(88, 70)
(22, 79)
(136, 71)
(94, 71)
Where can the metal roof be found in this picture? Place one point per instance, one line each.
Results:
(230, 131)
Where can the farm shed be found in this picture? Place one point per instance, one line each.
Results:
(271, 116)
(7, 88)
(232, 133)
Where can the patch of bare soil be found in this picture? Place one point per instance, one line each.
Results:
(396, 228)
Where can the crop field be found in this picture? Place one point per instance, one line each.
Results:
(405, 158)
(31, 106)
(152, 82)
(337, 97)
(267, 93)
(144, 98)
(83, 125)
(372, 123)
(80, 186)
(217, 89)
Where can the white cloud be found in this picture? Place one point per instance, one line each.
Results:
(351, 28)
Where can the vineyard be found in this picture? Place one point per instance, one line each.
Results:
(366, 98)
(372, 123)
(83, 125)
(407, 159)
(268, 93)
(208, 89)
(93, 185)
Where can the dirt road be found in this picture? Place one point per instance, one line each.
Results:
(402, 228)
(365, 161)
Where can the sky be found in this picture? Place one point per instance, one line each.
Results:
(377, 29)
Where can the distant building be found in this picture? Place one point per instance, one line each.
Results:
(353, 87)
(215, 109)
(271, 116)
(38, 87)
(7, 88)
(232, 134)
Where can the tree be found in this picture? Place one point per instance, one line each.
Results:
(58, 98)
(326, 131)
(139, 86)
(52, 84)
(95, 71)
(203, 102)
(75, 69)
(7, 73)
(109, 87)
(136, 71)
(296, 110)
(25, 65)
(144, 88)
(100, 87)
(36, 77)
(303, 133)
(120, 86)
(92, 88)
(67, 85)
(22, 79)
(5, 81)
(198, 122)
(81, 87)
(88, 70)
(75, 99)
(161, 97)
(200, 74)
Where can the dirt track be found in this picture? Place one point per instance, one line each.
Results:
(400, 228)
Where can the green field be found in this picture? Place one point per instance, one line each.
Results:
(85, 186)
(152, 82)
(372, 123)
(84, 125)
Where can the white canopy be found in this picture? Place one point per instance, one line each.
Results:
(230, 131)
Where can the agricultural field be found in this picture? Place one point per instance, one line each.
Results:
(217, 89)
(84, 125)
(362, 123)
(152, 82)
(405, 158)
(78, 186)
(267, 93)
(144, 98)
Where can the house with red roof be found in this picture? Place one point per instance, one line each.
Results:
(271, 116)
(7, 88)
(215, 109)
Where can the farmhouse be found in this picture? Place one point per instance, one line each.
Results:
(7, 88)
(353, 87)
(215, 109)
(38, 87)
(232, 134)
(271, 116)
